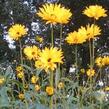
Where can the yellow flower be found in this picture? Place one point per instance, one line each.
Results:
(99, 62)
(92, 31)
(49, 90)
(2, 80)
(49, 58)
(54, 13)
(37, 87)
(32, 52)
(39, 39)
(105, 60)
(34, 79)
(82, 70)
(61, 85)
(19, 68)
(95, 11)
(102, 61)
(106, 88)
(90, 72)
(17, 31)
(20, 75)
(77, 37)
(21, 96)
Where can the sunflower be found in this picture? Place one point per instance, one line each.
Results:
(49, 58)
(54, 13)
(92, 31)
(95, 11)
(32, 52)
(17, 31)
(77, 37)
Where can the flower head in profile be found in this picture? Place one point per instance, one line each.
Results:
(48, 59)
(95, 11)
(17, 31)
(77, 37)
(32, 52)
(50, 90)
(54, 13)
(90, 72)
(92, 31)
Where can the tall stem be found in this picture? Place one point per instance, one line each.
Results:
(21, 56)
(90, 52)
(51, 72)
(60, 36)
(51, 84)
(52, 36)
(93, 46)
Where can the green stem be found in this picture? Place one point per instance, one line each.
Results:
(51, 84)
(21, 56)
(23, 80)
(90, 52)
(52, 36)
(60, 36)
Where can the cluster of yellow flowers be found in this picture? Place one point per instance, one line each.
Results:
(80, 36)
(54, 13)
(20, 72)
(102, 61)
(49, 58)
(90, 72)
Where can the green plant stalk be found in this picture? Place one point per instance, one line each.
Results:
(51, 72)
(93, 47)
(52, 36)
(60, 36)
(23, 81)
(21, 56)
(76, 65)
(51, 84)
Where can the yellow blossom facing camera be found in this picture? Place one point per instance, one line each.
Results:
(49, 58)
(21, 96)
(92, 31)
(49, 90)
(34, 79)
(2, 80)
(17, 31)
(32, 52)
(60, 85)
(54, 13)
(90, 72)
(37, 87)
(95, 11)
